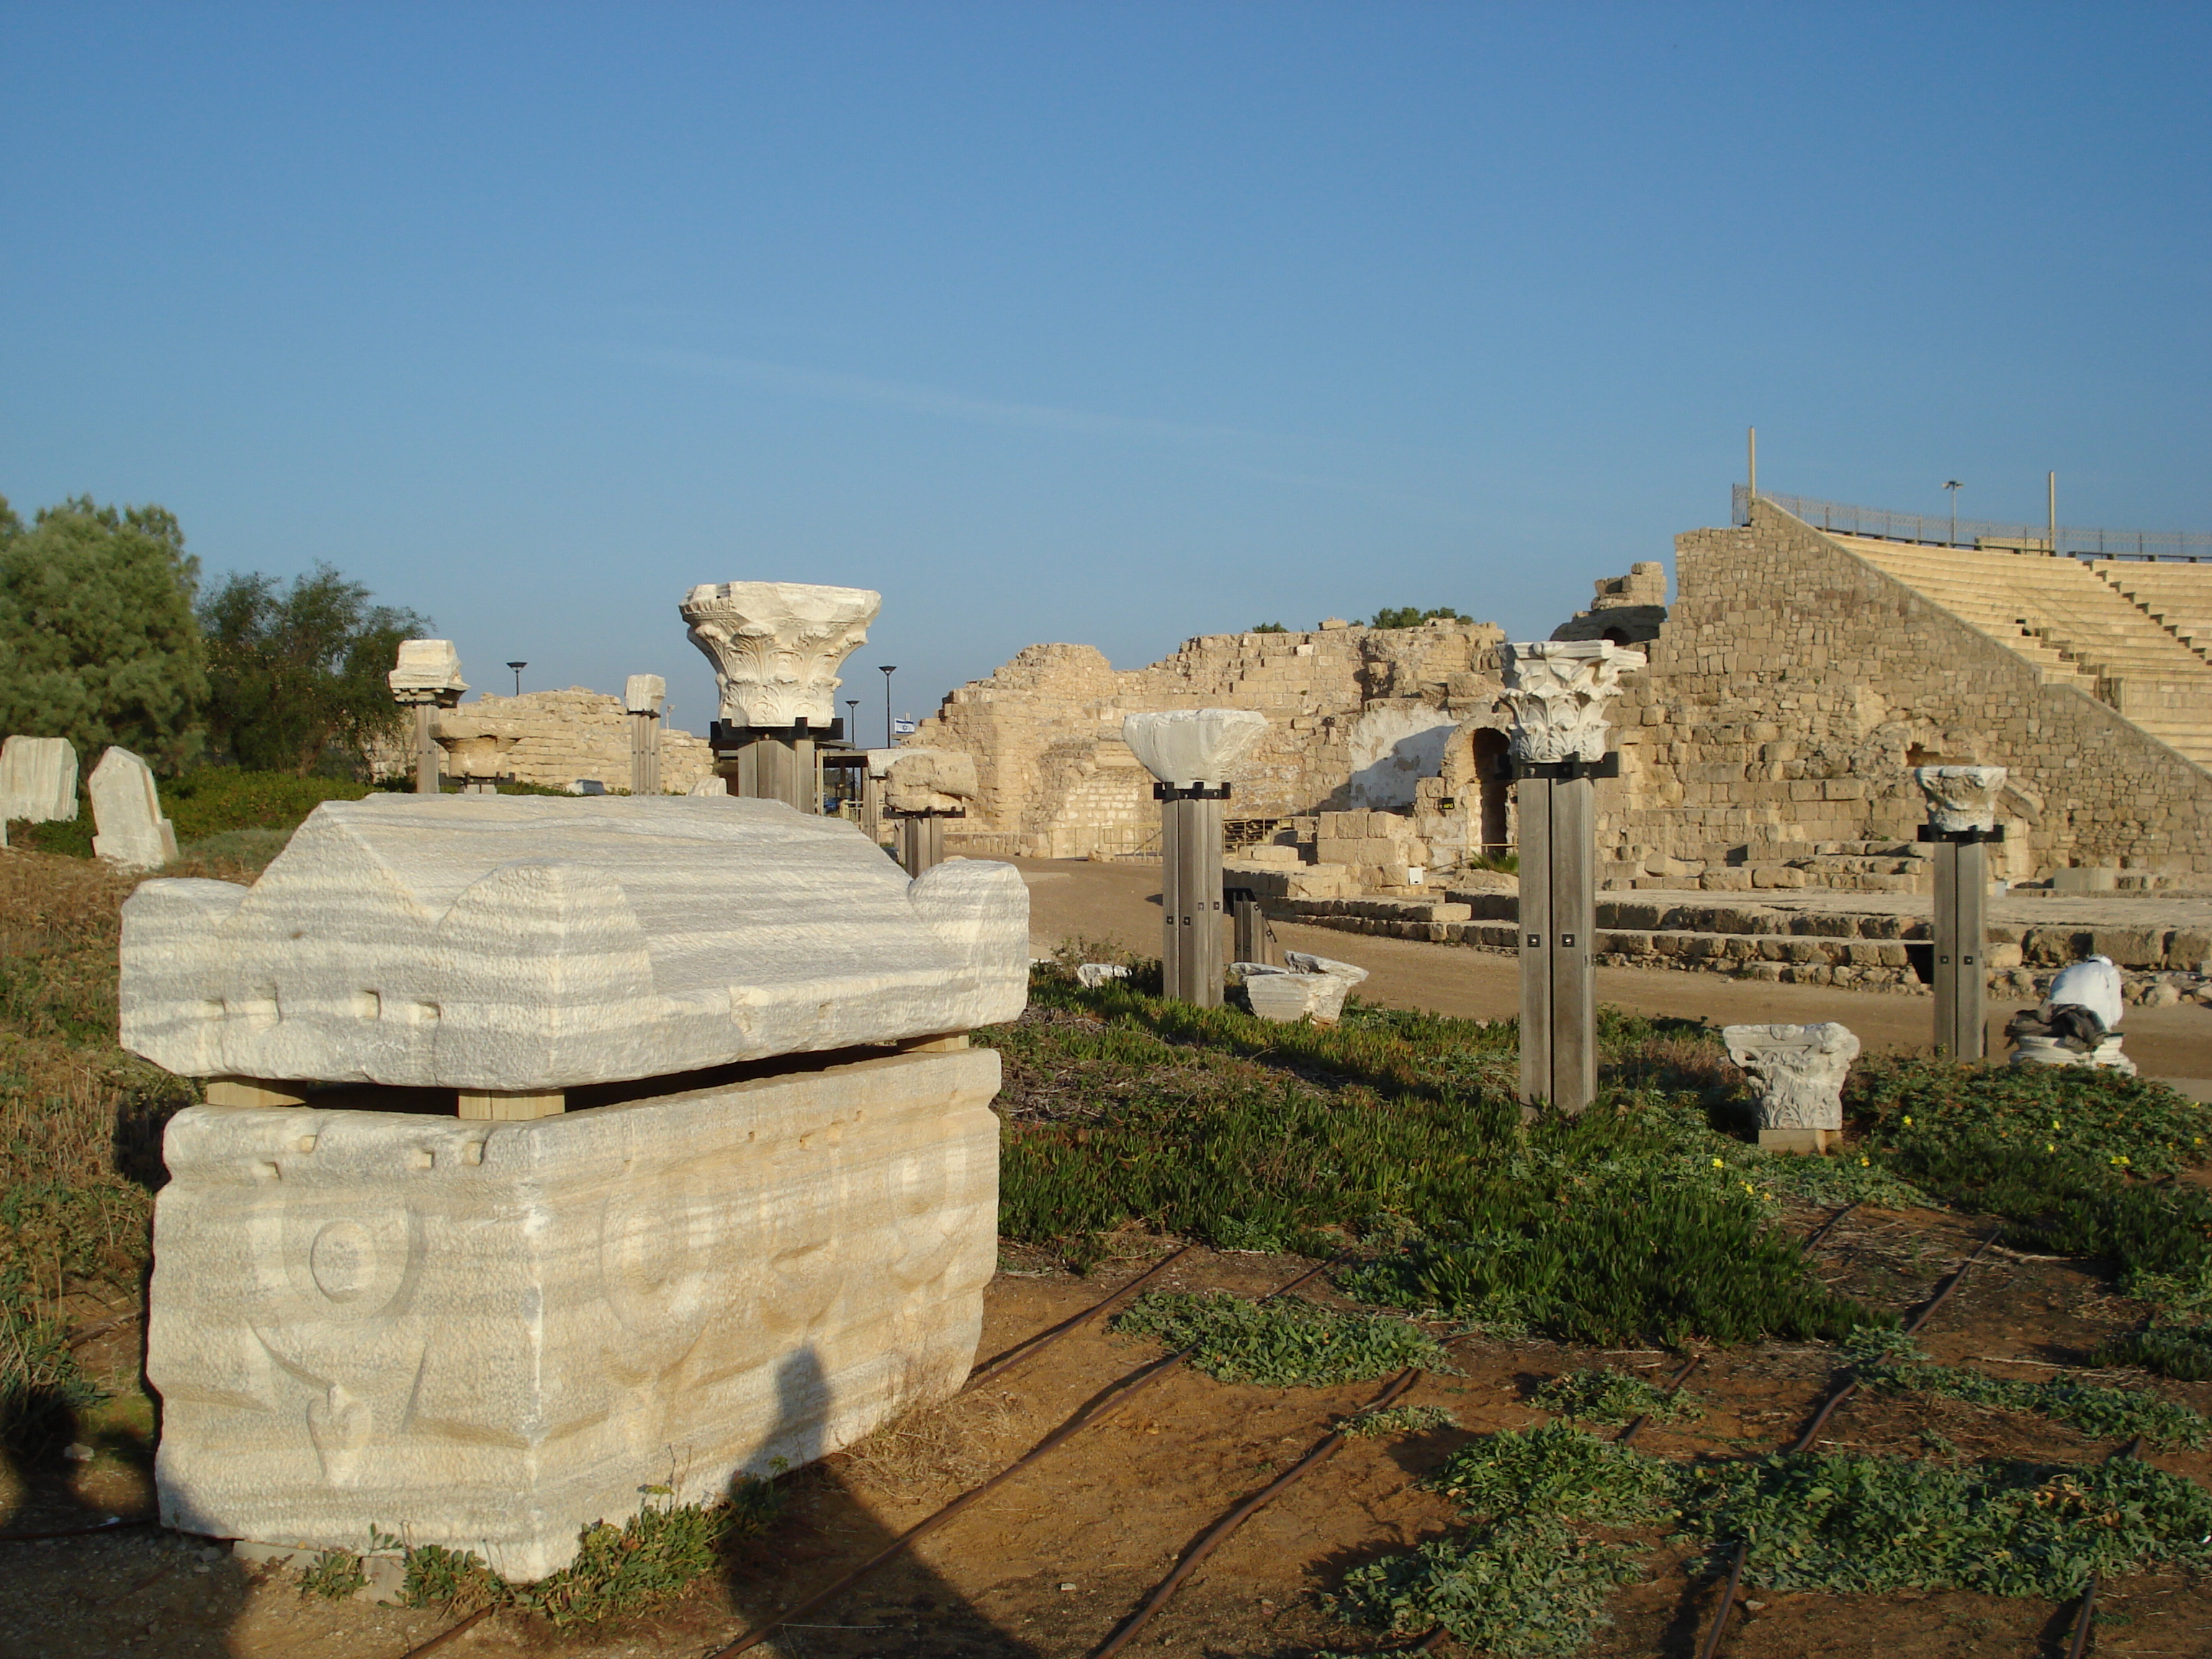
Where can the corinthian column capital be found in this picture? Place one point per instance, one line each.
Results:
(1960, 797)
(1558, 690)
(777, 647)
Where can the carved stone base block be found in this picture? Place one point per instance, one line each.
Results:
(1813, 1142)
(488, 1334)
(1799, 1072)
(2049, 1051)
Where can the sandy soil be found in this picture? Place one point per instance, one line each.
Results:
(1047, 1565)
(1072, 898)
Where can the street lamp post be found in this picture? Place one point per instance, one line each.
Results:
(518, 668)
(1955, 487)
(888, 669)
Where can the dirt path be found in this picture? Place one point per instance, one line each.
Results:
(1046, 1567)
(1071, 898)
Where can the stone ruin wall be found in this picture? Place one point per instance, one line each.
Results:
(551, 738)
(1356, 717)
(1792, 688)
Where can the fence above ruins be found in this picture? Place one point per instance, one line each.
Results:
(1941, 529)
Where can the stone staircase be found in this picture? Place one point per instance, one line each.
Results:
(2075, 624)
(2176, 597)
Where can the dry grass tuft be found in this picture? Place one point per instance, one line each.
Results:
(928, 1449)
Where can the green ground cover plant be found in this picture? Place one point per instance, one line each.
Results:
(1891, 1361)
(1393, 1420)
(1401, 1131)
(1285, 1343)
(1599, 1394)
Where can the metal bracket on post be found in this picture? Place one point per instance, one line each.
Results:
(773, 763)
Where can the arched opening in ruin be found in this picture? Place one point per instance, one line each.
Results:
(1490, 786)
(1617, 636)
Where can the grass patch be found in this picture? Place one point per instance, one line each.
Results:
(1598, 1394)
(1285, 1344)
(1395, 1420)
(1401, 1130)
(1891, 1361)
(1848, 1524)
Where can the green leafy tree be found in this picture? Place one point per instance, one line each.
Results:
(1407, 616)
(297, 674)
(1270, 627)
(98, 642)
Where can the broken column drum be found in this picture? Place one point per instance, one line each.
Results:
(1558, 691)
(776, 648)
(1191, 753)
(1962, 803)
(919, 788)
(644, 696)
(488, 1331)
(428, 677)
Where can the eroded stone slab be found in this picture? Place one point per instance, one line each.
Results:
(523, 943)
(126, 814)
(488, 1335)
(37, 779)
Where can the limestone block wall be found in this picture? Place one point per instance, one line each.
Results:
(1356, 717)
(1794, 685)
(555, 738)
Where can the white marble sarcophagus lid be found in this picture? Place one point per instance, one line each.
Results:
(518, 943)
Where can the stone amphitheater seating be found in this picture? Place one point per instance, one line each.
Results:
(2178, 596)
(2075, 624)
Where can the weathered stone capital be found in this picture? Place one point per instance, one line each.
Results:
(920, 780)
(1558, 690)
(644, 694)
(429, 671)
(1800, 1070)
(777, 647)
(1960, 797)
(1189, 747)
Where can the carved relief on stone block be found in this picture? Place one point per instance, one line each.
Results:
(777, 647)
(1559, 691)
(1799, 1069)
(488, 1335)
(1960, 797)
(1193, 747)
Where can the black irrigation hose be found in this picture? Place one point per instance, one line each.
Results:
(1030, 1348)
(1219, 1532)
(1673, 1387)
(1115, 1398)
(446, 1636)
(1711, 1645)
(1813, 1240)
(2085, 1617)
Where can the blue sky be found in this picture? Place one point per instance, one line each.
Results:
(1115, 323)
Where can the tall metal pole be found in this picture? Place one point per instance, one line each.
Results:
(888, 669)
(1954, 486)
(2050, 484)
(1753, 439)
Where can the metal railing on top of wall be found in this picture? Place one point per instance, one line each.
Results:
(1941, 529)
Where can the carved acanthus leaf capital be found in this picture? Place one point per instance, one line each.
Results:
(1189, 747)
(1558, 691)
(1799, 1071)
(1960, 797)
(777, 647)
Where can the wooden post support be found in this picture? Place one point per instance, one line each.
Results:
(921, 842)
(252, 1092)
(871, 806)
(1559, 911)
(426, 749)
(1962, 889)
(644, 753)
(1191, 965)
(505, 1106)
(770, 766)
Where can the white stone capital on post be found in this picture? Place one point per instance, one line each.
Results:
(429, 671)
(1559, 691)
(1799, 1071)
(644, 694)
(1960, 797)
(777, 647)
(1192, 748)
(923, 781)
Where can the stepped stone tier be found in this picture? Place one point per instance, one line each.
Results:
(1960, 797)
(487, 1336)
(1799, 1071)
(38, 780)
(1189, 748)
(489, 1331)
(126, 814)
(777, 647)
(515, 943)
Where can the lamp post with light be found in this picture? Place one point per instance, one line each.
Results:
(1955, 487)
